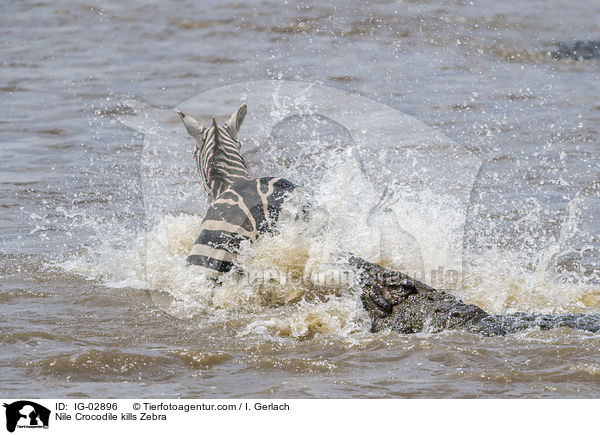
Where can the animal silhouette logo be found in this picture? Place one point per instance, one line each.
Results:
(26, 414)
(400, 163)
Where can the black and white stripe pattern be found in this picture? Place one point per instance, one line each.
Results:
(242, 207)
(219, 161)
(247, 209)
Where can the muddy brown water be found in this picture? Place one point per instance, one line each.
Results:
(81, 315)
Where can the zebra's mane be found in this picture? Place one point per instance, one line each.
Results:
(219, 160)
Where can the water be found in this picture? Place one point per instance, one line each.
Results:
(95, 226)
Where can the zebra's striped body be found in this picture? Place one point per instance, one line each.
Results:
(245, 210)
(242, 208)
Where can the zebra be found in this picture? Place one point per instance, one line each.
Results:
(242, 208)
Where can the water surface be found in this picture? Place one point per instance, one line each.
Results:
(81, 310)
